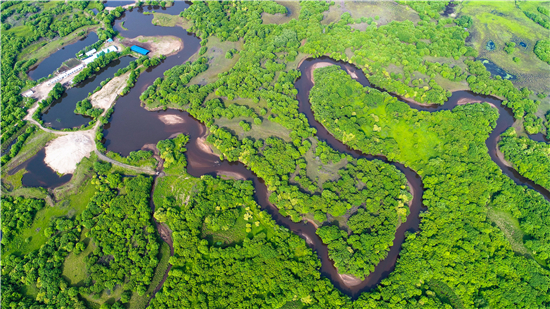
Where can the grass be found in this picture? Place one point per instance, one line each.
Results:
(263, 131)
(292, 6)
(180, 187)
(167, 20)
(31, 192)
(84, 171)
(109, 297)
(44, 48)
(35, 142)
(320, 172)
(387, 11)
(69, 207)
(510, 228)
(217, 63)
(74, 267)
(14, 181)
(503, 22)
(231, 236)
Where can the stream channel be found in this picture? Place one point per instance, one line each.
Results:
(132, 128)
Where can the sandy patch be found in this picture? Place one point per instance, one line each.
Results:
(233, 175)
(171, 119)
(105, 97)
(351, 73)
(350, 280)
(42, 90)
(317, 66)
(312, 222)
(501, 157)
(158, 45)
(308, 240)
(63, 153)
(201, 143)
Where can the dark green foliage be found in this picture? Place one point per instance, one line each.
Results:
(382, 202)
(518, 100)
(538, 18)
(269, 267)
(94, 66)
(121, 228)
(509, 47)
(530, 158)
(17, 213)
(542, 50)
(426, 9)
(464, 21)
(172, 151)
(101, 167)
(84, 107)
(451, 211)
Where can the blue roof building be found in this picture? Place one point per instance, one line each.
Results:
(140, 50)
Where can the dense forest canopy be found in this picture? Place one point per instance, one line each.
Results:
(114, 237)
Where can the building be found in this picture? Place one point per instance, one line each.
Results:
(91, 52)
(28, 93)
(139, 50)
(107, 50)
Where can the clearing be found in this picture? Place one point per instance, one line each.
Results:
(64, 153)
(105, 97)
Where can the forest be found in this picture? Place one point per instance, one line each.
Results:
(483, 240)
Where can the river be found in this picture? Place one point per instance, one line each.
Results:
(132, 127)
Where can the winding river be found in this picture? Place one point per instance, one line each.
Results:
(132, 128)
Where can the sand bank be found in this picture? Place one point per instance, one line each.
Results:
(64, 153)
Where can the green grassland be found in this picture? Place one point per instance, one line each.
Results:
(33, 238)
(34, 143)
(263, 131)
(74, 267)
(292, 6)
(503, 22)
(320, 172)
(167, 20)
(217, 63)
(44, 48)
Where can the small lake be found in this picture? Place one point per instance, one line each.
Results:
(54, 61)
(39, 174)
(61, 114)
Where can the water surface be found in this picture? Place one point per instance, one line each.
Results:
(54, 61)
(61, 114)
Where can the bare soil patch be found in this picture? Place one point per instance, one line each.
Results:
(201, 143)
(171, 119)
(233, 175)
(65, 152)
(158, 45)
(317, 66)
(105, 97)
(350, 280)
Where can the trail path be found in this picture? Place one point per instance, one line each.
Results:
(91, 133)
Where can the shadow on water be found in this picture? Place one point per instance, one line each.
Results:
(39, 174)
(54, 61)
(61, 114)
